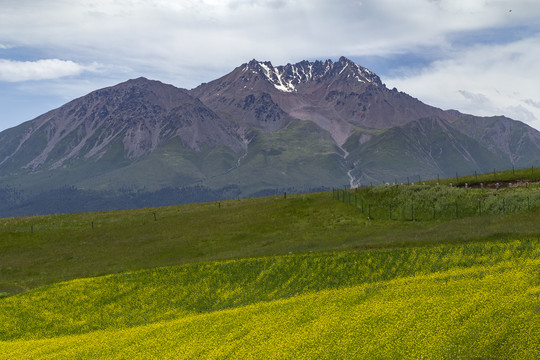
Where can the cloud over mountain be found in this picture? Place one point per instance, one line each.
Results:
(15, 71)
(188, 42)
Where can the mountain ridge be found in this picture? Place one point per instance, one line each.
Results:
(309, 125)
(338, 96)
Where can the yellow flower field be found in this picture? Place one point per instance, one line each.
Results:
(484, 303)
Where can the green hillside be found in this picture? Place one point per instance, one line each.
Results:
(425, 147)
(286, 305)
(306, 276)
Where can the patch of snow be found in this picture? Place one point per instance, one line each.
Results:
(275, 77)
(265, 68)
(295, 72)
(289, 87)
(358, 78)
(366, 74)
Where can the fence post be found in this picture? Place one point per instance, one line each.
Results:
(390, 211)
(480, 207)
(412, 212)
(433, 211)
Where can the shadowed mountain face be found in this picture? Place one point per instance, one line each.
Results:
(259, 128)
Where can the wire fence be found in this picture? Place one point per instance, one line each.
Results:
(455, 178)
(424, 203)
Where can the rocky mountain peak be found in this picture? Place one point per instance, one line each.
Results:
(138, 115)
(291, 77)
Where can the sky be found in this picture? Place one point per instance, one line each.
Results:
(480, 57)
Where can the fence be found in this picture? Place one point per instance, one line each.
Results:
(423, 203)
(454, 178)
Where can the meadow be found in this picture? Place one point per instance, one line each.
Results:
(422, 202)
(309, 276)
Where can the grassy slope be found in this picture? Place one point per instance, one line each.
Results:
(148, 296)
(425, 147)
(290, 304)
(486, 311)
(279, 160)
(301, 155)
(64, 247)
(421, 202)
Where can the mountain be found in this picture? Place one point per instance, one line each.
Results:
(513, 141)
(112, 130)
(337, 96)
(258, 130)
(427, 147)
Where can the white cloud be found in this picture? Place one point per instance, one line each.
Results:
(533, 103)
(224, 33)
(186, 42)
(15, 71)
(482, 80)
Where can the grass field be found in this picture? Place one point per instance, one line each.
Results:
(421, 202)
(303, 277)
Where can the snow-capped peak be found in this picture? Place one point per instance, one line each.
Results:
(287, 78)
(276, 77)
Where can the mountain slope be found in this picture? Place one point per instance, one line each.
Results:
(138, 114)
(517, 142)
(427, 147)
(337, 96)
(257, 130)
(113, 130)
